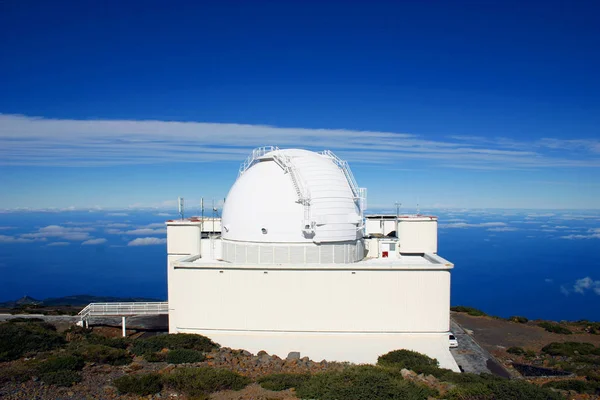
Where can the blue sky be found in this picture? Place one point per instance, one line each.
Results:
(446, 104)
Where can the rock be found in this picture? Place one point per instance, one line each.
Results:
(262, 353)
(407, 374)
(293, 355)
(305, 359)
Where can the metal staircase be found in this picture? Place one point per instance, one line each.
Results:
(288, 167)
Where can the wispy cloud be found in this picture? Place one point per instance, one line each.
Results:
(591, 234)
(57, 231)
(15, 239)
(25, 140)
(58, 244)
(147, 241)
(503, 229)
(461, 225)
(139, 232)
(93, 242)
(582, 286)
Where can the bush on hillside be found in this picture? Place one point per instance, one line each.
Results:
(518, 319)
(279, 382)
(61, 378)
(406, 359)
(554, 328)
(173, 342)
(502, 390)
(22, 336)
(576, 385)
(18, 372)
(142, 385)
(469, 310)
(203, 380)
(570, 349)
(363, 382)
(78, 334)
(183, 356)
(155, 357)
(61, 363)
(102, 354)
(519, 351)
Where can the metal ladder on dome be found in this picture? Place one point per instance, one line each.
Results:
(287, 165)
(302, 192)
(360, 194)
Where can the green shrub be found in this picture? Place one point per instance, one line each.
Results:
(518, 319)
(20, 337)
(554, 328)
(80, 334)
(61, 378)
(519, 351)
(203, 380)
(476, 391)
(518, 389)
(117, 343)
(279, 382)
(61, 363)
(576, 385)
(406, 359)
(469, 310)
(502, 390)
(142, 385)
(468, 378)
(569, 349)
(102, 354)
(183, 356)
(363, 382)
(173, 342)
(18, 372)
(155, 357)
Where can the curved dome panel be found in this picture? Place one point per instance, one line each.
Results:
(292, 196)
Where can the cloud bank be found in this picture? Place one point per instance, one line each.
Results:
(147, 241)
(26, 140)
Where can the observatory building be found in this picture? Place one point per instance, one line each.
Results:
(295, 265)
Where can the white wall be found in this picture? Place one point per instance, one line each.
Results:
(336, 315)
(315, 300)
(417, 236)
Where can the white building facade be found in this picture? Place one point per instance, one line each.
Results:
(295, 268)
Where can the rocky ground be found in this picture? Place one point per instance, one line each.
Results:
(97, 379)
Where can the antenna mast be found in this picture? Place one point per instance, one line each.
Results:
(180, 205)
(398, 205)
(202, 211)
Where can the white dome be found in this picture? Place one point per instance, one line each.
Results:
(293, 196)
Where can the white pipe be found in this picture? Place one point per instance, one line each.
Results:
(124, 327)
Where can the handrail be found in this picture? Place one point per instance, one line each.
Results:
(343, 165)
(124, 309)
(255, 156)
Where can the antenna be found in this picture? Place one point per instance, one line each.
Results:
(202, 211)
(398, 205)
(418, 210)
(213, 217)
(180, 204)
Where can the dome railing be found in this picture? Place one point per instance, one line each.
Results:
(256, 155)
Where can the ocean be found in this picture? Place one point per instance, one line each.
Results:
(538, 264)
